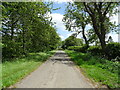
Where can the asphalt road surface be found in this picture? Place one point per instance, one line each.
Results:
(57, 72)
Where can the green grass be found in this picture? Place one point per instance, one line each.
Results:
(15, 70)
(98, 69)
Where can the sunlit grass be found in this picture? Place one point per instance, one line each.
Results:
(13, 72)
(102, 75)
(101, 70)
(17, 69)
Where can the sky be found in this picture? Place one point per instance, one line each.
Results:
(57, 16)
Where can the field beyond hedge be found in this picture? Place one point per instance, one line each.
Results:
(96, 68)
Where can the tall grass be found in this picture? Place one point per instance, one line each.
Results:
(15, 70)
(99, 69)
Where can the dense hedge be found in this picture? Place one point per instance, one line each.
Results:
(78, 48)
(95, 50)
(75, 48)
(113, 50)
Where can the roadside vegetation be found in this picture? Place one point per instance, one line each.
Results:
(96, 64)
(98, 69)
(28, 36)
(15, 70)
(26, 28)
(97, 54)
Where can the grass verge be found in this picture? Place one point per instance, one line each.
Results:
(98, 69)
(15, 70)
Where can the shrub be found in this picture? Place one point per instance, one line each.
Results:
(60, 48)
(110, 66)
(79, 62)
(75, 48)
(95, 50)
(70, 48)
(113, 50)
(78, 48)
(11, 49)
(84, 48)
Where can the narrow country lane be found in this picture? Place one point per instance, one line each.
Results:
(57, 72)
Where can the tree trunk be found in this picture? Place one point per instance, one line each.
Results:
(83, 33)
(101, 35)
(98, 22)
(102, 41)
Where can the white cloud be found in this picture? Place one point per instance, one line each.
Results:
(114, 37)
(79, 36)
(69, 34)
(88, 27)
(57, 18)
(62, 37)
(114, 18)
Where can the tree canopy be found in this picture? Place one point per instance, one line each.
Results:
(72, 41)
(96, 14)
(26, 27)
